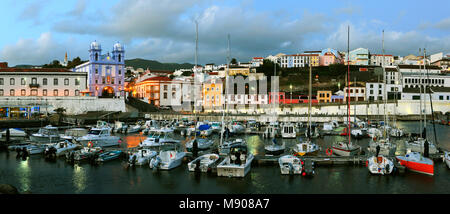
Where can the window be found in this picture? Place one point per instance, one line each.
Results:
(34, 92)
(103, 80)
(44, 81)
(33, 80)
(55, 92)
(120, 58)
(77, 92)
(371, 85)
(96, 70)
(120, 72)
(55, 81)
(22, 81)
(362, 90)
(66, 81)
(66, 92)
(1, 81)
(11, 92)
(44, 92)
(165, 95)
(356, 90)
(165, 87)
(77, 81)
(1, 92)
(96, 81)
(371, 91)
(441, 97)
(22, 92)
(112, 80)
(96, 56)
(416, 97)
(120, 82)
(11, 81)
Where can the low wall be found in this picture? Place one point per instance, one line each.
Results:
(73, 105)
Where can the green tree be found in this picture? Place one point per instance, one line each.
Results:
(233, 61)
(268, 68)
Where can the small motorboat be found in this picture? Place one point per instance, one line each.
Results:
(275, 148)
(73, 134)
(134, 129)
(141, 157)
(34, 149)
(109, 155)
(202, 144)
(62, 147)
(379, 165)
(447, 159)
(289, 164)
(415, 162)
(237, 163)
(18, 146)
(203, 163)
(158, 138)
(84, 153)
(167, 159)
(99, 137)
(306, 148)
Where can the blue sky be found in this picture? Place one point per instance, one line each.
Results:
(38, 31)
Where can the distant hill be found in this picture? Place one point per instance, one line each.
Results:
(27, 66)
(155, 65)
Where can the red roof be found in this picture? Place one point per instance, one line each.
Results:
(213, 73)
(258, 57)
(158, 79)
(34, 70)
(380, 55)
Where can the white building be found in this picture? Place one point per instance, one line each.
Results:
(377, 59)
(375, 91)
(294, 60)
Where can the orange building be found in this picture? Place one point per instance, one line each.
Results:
(149, 89)
(212, 93)
(324, 96)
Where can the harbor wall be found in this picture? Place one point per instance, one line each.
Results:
(73, 105)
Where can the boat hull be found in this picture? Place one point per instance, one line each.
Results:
(345, 152)
(418, 167)
(233, 170)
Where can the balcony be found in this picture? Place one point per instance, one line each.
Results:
(34, 85)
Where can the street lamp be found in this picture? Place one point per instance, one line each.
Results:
(290, 86)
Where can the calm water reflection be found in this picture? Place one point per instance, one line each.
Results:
(40, 176)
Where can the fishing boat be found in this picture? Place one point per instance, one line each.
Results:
(158, 138)
(380, 165)
(447, 159)
(202, 144)
(275, 148)
(288, 131)
(237, 163)
(203, 163)
(62, 147)
(47, 134)
(224, 149)
(99, 137)
(141, 157)
(306, 148)
(289, 164)
(415, 162)
(167, 159)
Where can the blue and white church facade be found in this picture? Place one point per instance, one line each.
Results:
(106, 73)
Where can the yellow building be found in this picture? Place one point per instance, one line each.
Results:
(240, 70)
(314, 59)
(212, 93)
(324, 96)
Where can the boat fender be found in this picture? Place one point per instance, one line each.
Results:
(329, 152)
(90, 144)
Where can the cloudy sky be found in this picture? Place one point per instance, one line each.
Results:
(38, 31)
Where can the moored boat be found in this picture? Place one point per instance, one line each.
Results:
(202, 144)
(203, 163)
(380, 165)
(305, 148)
(167, 159)
(289, 164)
(237, 163)
(47, 134)
(345, 149)
(141, 157)
(275, 148)
(109, 155)
(415, 162)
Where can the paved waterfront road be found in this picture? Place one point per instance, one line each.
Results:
(39, 176)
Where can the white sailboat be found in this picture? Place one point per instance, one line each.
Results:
(307, 147)
(347, 148)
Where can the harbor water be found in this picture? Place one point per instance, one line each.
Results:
(37, 175)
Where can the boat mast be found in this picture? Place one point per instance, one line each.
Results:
(424, 94)
(431, 101)
(420, 94)
(226, 92)
(195, 76)
(309, 100)
(348, 84)
(384, 89)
